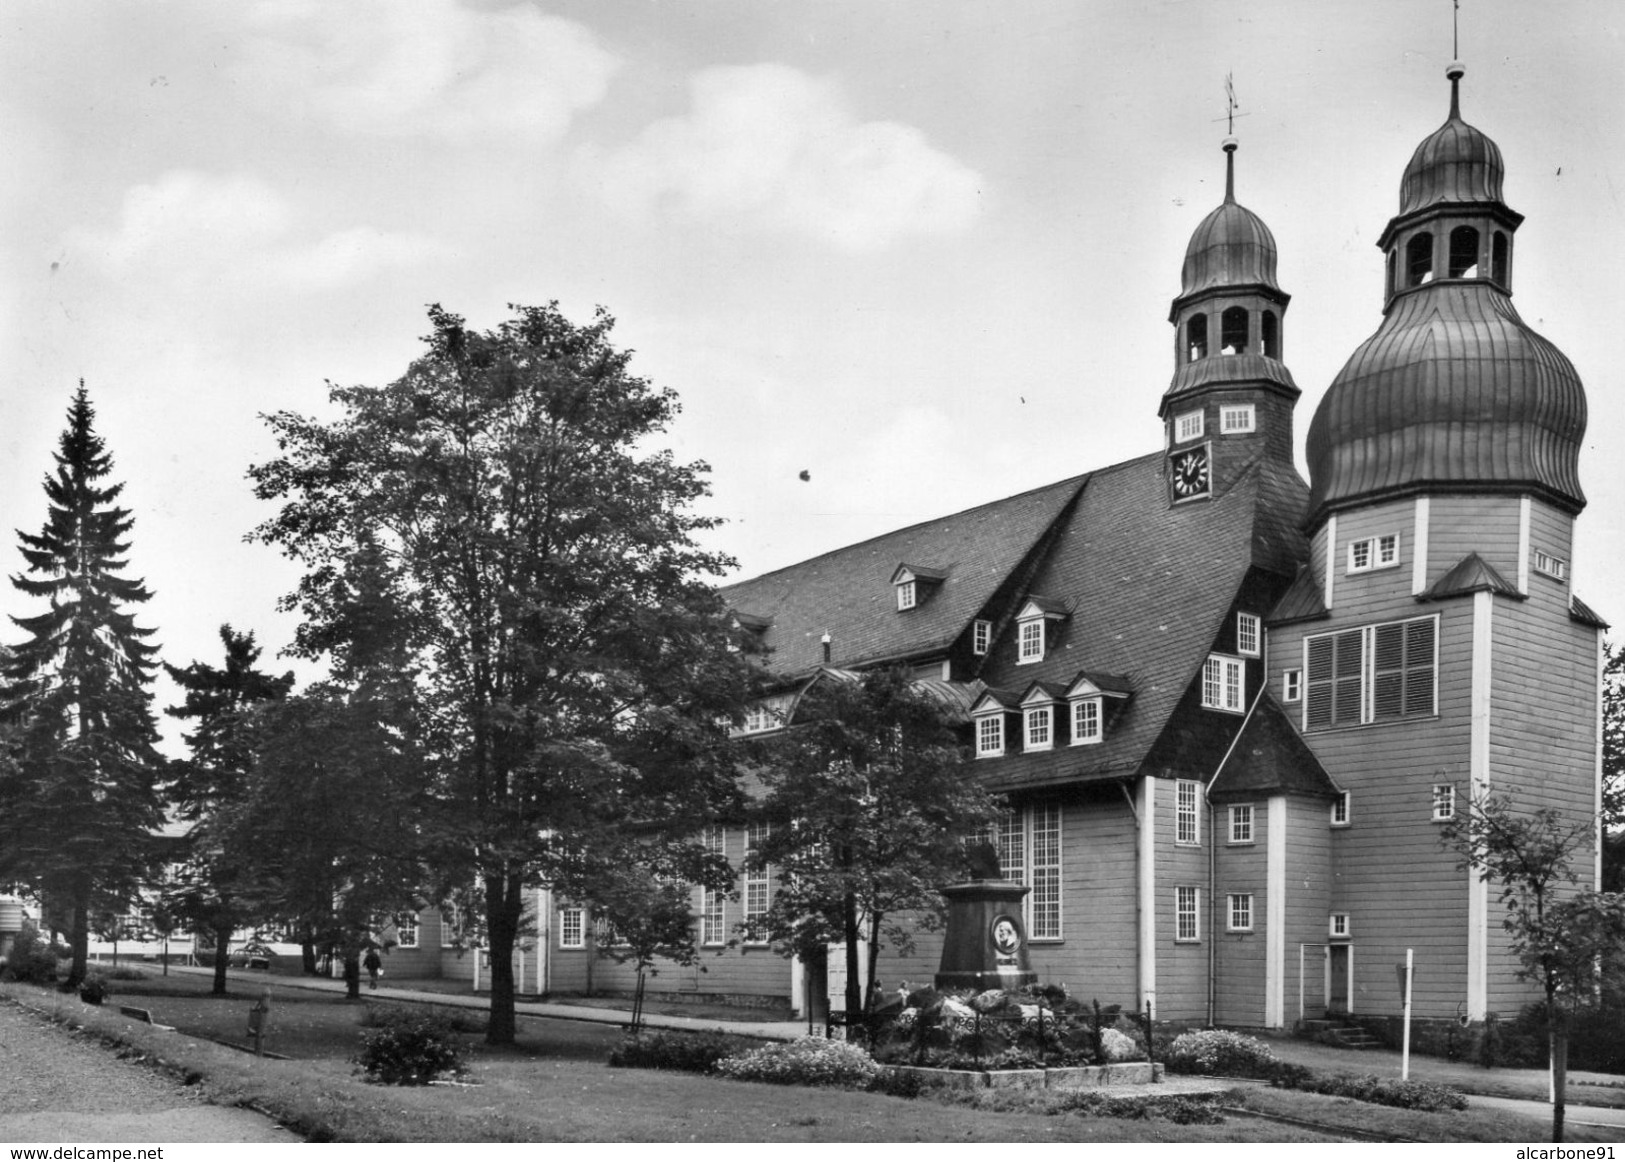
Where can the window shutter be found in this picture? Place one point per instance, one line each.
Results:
(1318, 704)
(1350, 656)
(1390, 671)
(1419, 669)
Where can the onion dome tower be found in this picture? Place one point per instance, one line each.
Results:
(1231, 397)
(1454, 393)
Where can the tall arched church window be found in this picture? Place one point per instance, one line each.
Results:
(1269, 334)
(1196, 338)
(1498, 258)
(1464, 252)
(1419, 260)
(1233, 331)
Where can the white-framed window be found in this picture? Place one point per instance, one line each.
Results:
(757, 888)
(450, 927)
(572, 927)
(906, 594)
(713, 904)
(1338, 925)
(1030, 641)
(1553, 567)
(1223, 684)
(1033, 831)
(1374, 553)
(1240, 912)
(1086, 721)
(1187, 818)
(1340, 810)
(1292, 686)
(981, 636)
(1247, 634)
(1377, 673)
(1040, 735)
(989, 735)
(1444, 802)
(1235, 418)
(406, 929)
(1187, 914)
(1188, 427)
(759, 717)
(1044, 921)
(1241, 823)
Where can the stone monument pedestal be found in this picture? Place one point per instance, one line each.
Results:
(986, 943)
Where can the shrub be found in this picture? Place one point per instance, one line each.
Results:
(121, 973)
(808, 1061)
(898, 1083)
(93, 990)
(689, 1052)
(1220, 1053)
(408, 1048)
(1408, 1095)
(34, 960)
(457, 1020)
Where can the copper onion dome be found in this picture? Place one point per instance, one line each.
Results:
(1454, 163)
(1454, 392)
(1231, 247)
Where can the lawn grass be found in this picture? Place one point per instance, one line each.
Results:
(554, 1085)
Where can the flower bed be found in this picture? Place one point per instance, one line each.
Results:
(1063, 1078)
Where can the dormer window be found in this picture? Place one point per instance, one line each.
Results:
(1087, 698)
(1032, 632)
(1031, 644)
(990, 736)
(914, 585)
(1040, 727)
(1086, 721)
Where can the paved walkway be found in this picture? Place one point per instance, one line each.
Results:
(767, 1030)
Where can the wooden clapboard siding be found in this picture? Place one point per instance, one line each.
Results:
(1462, 524)
(1239, 957)
(1308, 905)
(1181, 967)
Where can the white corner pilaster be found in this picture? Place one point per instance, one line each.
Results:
(1331, 559)
(1525, 505)
(1148, 891)
(1478, 891)
(1419, 547)
(1275, 914)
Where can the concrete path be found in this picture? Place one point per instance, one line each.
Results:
(767, 1030)
(63, 1089)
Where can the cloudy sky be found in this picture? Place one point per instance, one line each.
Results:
(921, 249)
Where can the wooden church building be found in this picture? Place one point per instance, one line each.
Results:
(1231, 709)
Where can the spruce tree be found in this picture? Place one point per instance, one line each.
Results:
(80, 809)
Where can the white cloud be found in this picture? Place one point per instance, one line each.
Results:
(405, 68)
(190, 229)
(769, 145)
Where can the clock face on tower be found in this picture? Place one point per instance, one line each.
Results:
(1190, 473)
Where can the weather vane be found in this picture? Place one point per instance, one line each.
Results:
(1231, 105)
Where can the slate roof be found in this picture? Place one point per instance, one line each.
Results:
(1148, 586)
(848, 593)
(1304, 601)
(1471, 574)
(1268, 758)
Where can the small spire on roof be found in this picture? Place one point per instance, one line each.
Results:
(1454, 71)
(1230, 146)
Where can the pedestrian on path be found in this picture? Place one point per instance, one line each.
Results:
(373, 965)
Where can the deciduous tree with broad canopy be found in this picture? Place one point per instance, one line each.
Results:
(575, 679)
(80, 808)
(866, 805)
(1563, 935)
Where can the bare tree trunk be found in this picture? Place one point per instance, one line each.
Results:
(854, 986)
(1560, 1070)
(874, 961)
(504, 900)
(79, 943)
(222, 943)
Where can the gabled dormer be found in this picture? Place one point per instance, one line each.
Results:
(914, 584)
(750, 631)
(995, 718)
(1091, 701)
(1037, 626)
(1042, 724)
